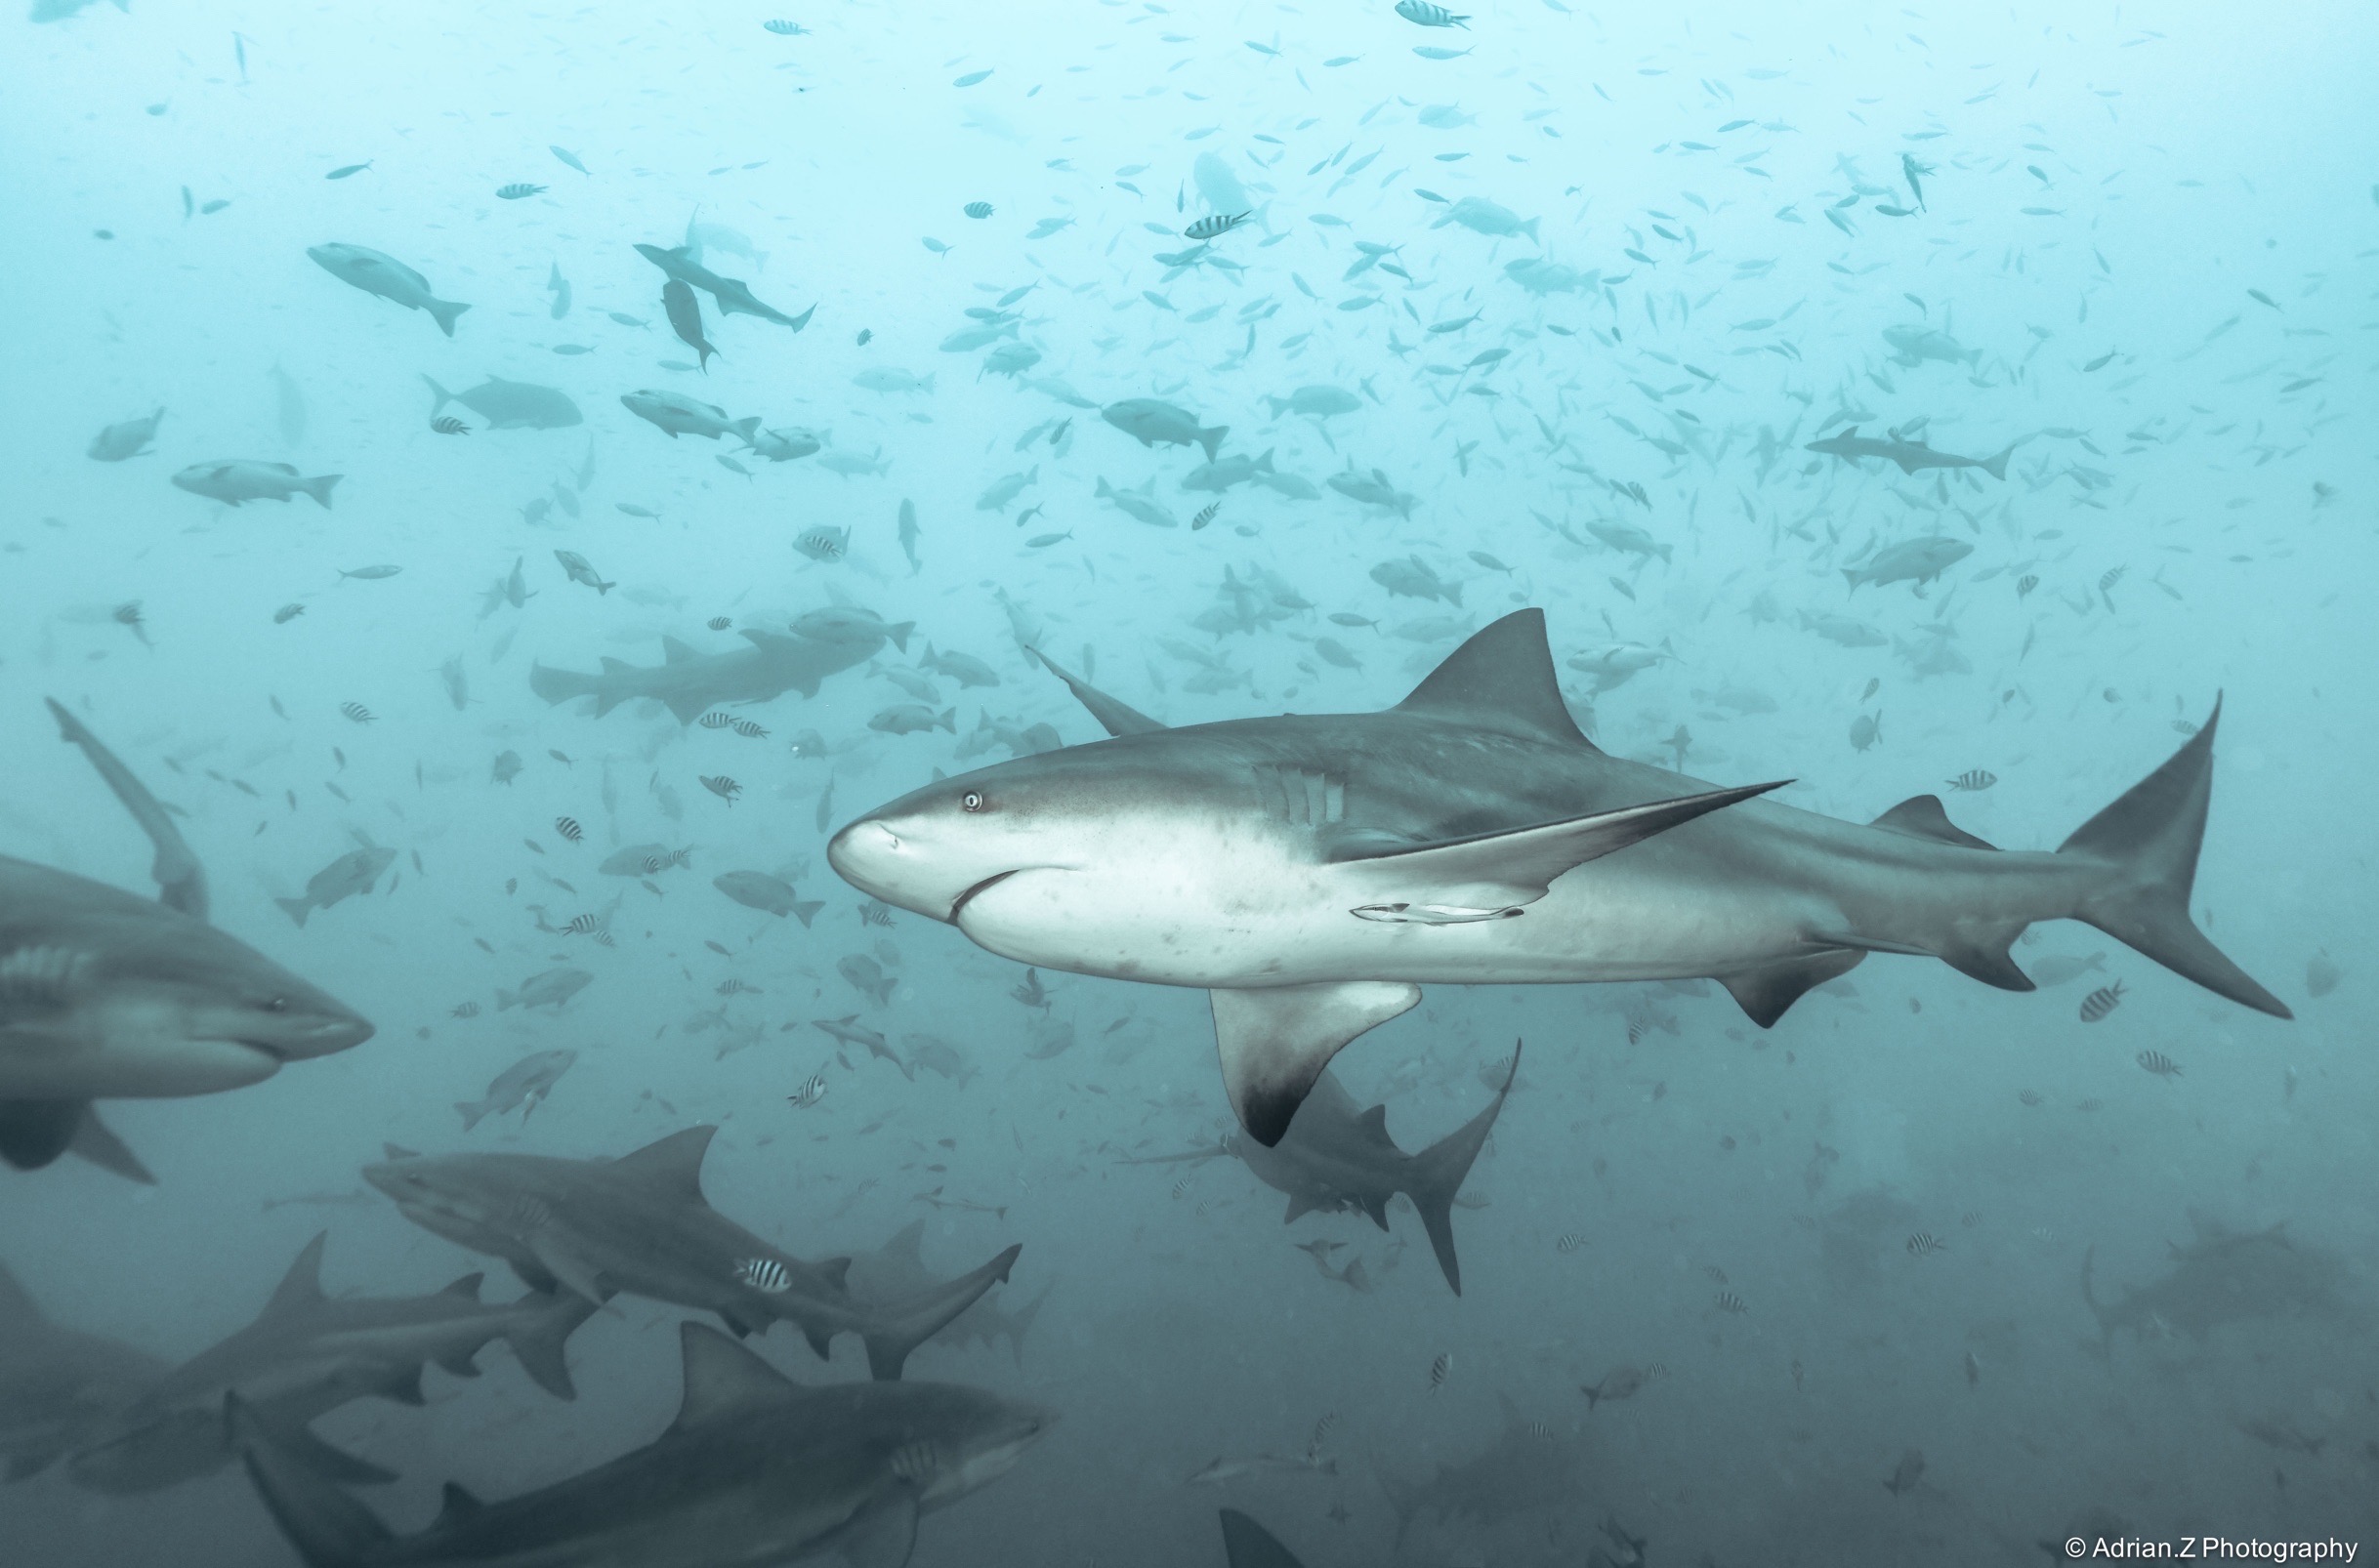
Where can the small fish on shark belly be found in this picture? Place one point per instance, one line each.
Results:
(1372, 866)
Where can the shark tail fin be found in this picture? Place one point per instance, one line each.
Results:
(442, 396)
(539, 1342)
(1438, 1171)
(1996, 467)
(906, 1325)
(445, 311)
(745, 427)
(296, 909)
(328, 1528)
(2147, 841)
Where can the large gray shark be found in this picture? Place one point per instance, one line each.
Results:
(306, 1355)
(107, 995)
(691, 682)
(897, 1273)
(1335, 1160)
(756, 1470)
(1851, 446)
(1313, 871)
(735, 296)
(641, 1224)
(58, 1387)
(2226, 1276)
(1528, 1465)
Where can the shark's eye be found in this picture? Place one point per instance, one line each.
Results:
(972, 801)
(278, 1004)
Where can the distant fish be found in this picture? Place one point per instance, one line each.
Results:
(465, 1010)
(1973, 778)
(344, 170)
(724, 786)
(1924, 1244)
(518, 190)
(449, 425)
(2163, 1066)
(765, 1275)
(372, 574)
(1215, 225)
(809, 1093)
(1206, 514)
(823, 544)
(1423, 14)
(1439, 1369)
(2100, 1002)
(1569, 1242)
(719, 623)
(288, 613)
(1729, 1302)
(976, 209)
(786, 30)
(570, 829)
(750, 730)
(569, 157)
(715, 720)
(355, 712)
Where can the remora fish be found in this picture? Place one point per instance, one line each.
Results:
(755, 1469)
(1333, 1159)
(641, 1224)
(693, 682)
(106, 996)
(1313, 871)
(306, 1355)
(1851, 446)
(387, 277)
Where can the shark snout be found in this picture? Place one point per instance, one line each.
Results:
(871, 856)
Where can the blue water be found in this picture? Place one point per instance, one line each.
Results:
(2145, 238)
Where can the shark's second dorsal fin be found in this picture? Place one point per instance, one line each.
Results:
(721, 1377)
(675, 1163)
(459, 1505)
(302, 1287)
(1502, 679)
(1922, 816)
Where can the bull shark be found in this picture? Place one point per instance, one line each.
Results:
(304, 1356)
(641, 1224)
(107, 995)
(1851, 446)
(755, 1469)
(1528, 1465)
(735, 296)
(1333, 1159)
(691, 682)
(58, 1387)
(896, 1272)
(2226, 1276)
(1313, 871)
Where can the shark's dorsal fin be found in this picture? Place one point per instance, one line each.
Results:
(909, 1243)
(1501, 679)
(1922, 816)
(837, 1271)
(1118, 718)
(675, 1163)
(674, 651)
(721, 1377)
(459, 1505)
(302, 1287)
(467, 1287)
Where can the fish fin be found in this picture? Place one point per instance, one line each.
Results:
(1765, 993)
(35, 1132)
(445, 311)
(319, 487)
(1211, 438)
(745, 427)
(472, 1112)
(95, 1141)
(328, 1528)
(837, 1271)
(1021, 1323)
(1114, 716)
(883, 1534)
(1436, 1173)
(674, 651)
(1372, 1128)
(300, 1289)
(560, 1265)
(1996, 467)
(442, 396)
(1274, 1042)
(685, 707)
(1299, 1205)
(176, 870)
(723, 1377)
(404, 1387)
(673, 1164)
(2148, 841)
(1503, 678)
(540, 1343)
(1248, 1544)
(455, 1506)
(296, 909)
(1922, 816)
(1492, 870)
(909, 1243)
(897, 1330)
(1984, 956)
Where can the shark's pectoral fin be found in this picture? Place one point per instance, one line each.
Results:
(1484, 874)
(97, 1143)
(1763, 994)
(1276, 1041)
(883, 1534)
(572, 1271)
(1248, 1544)
(35, 1132)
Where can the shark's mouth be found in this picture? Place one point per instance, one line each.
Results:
(992, 881)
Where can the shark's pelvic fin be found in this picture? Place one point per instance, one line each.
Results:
(2148, 841)
(1248, 1544)
(1117, 718)
(1276, 1041)
(1490, 869)
(883, 1534)
(1501, 679)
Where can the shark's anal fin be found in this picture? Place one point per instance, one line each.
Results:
(1765, 993)
(1116, 717)
(1276, 1041)
(883, 1534)
(1489, 872)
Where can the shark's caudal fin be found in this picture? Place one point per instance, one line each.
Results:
(1437, 1174)
(1248, 1544)
(328, 1528)
(1116, 717)
(900, 1328)
(1996, 467)
(540, 1339)
(2148, 841)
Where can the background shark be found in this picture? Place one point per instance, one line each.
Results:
(895, 1273)
(641, 1224)
(690, 682)
(1312, 873)
(755, 1469)
(58, 1387)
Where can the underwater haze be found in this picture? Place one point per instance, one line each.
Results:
(714, 717)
